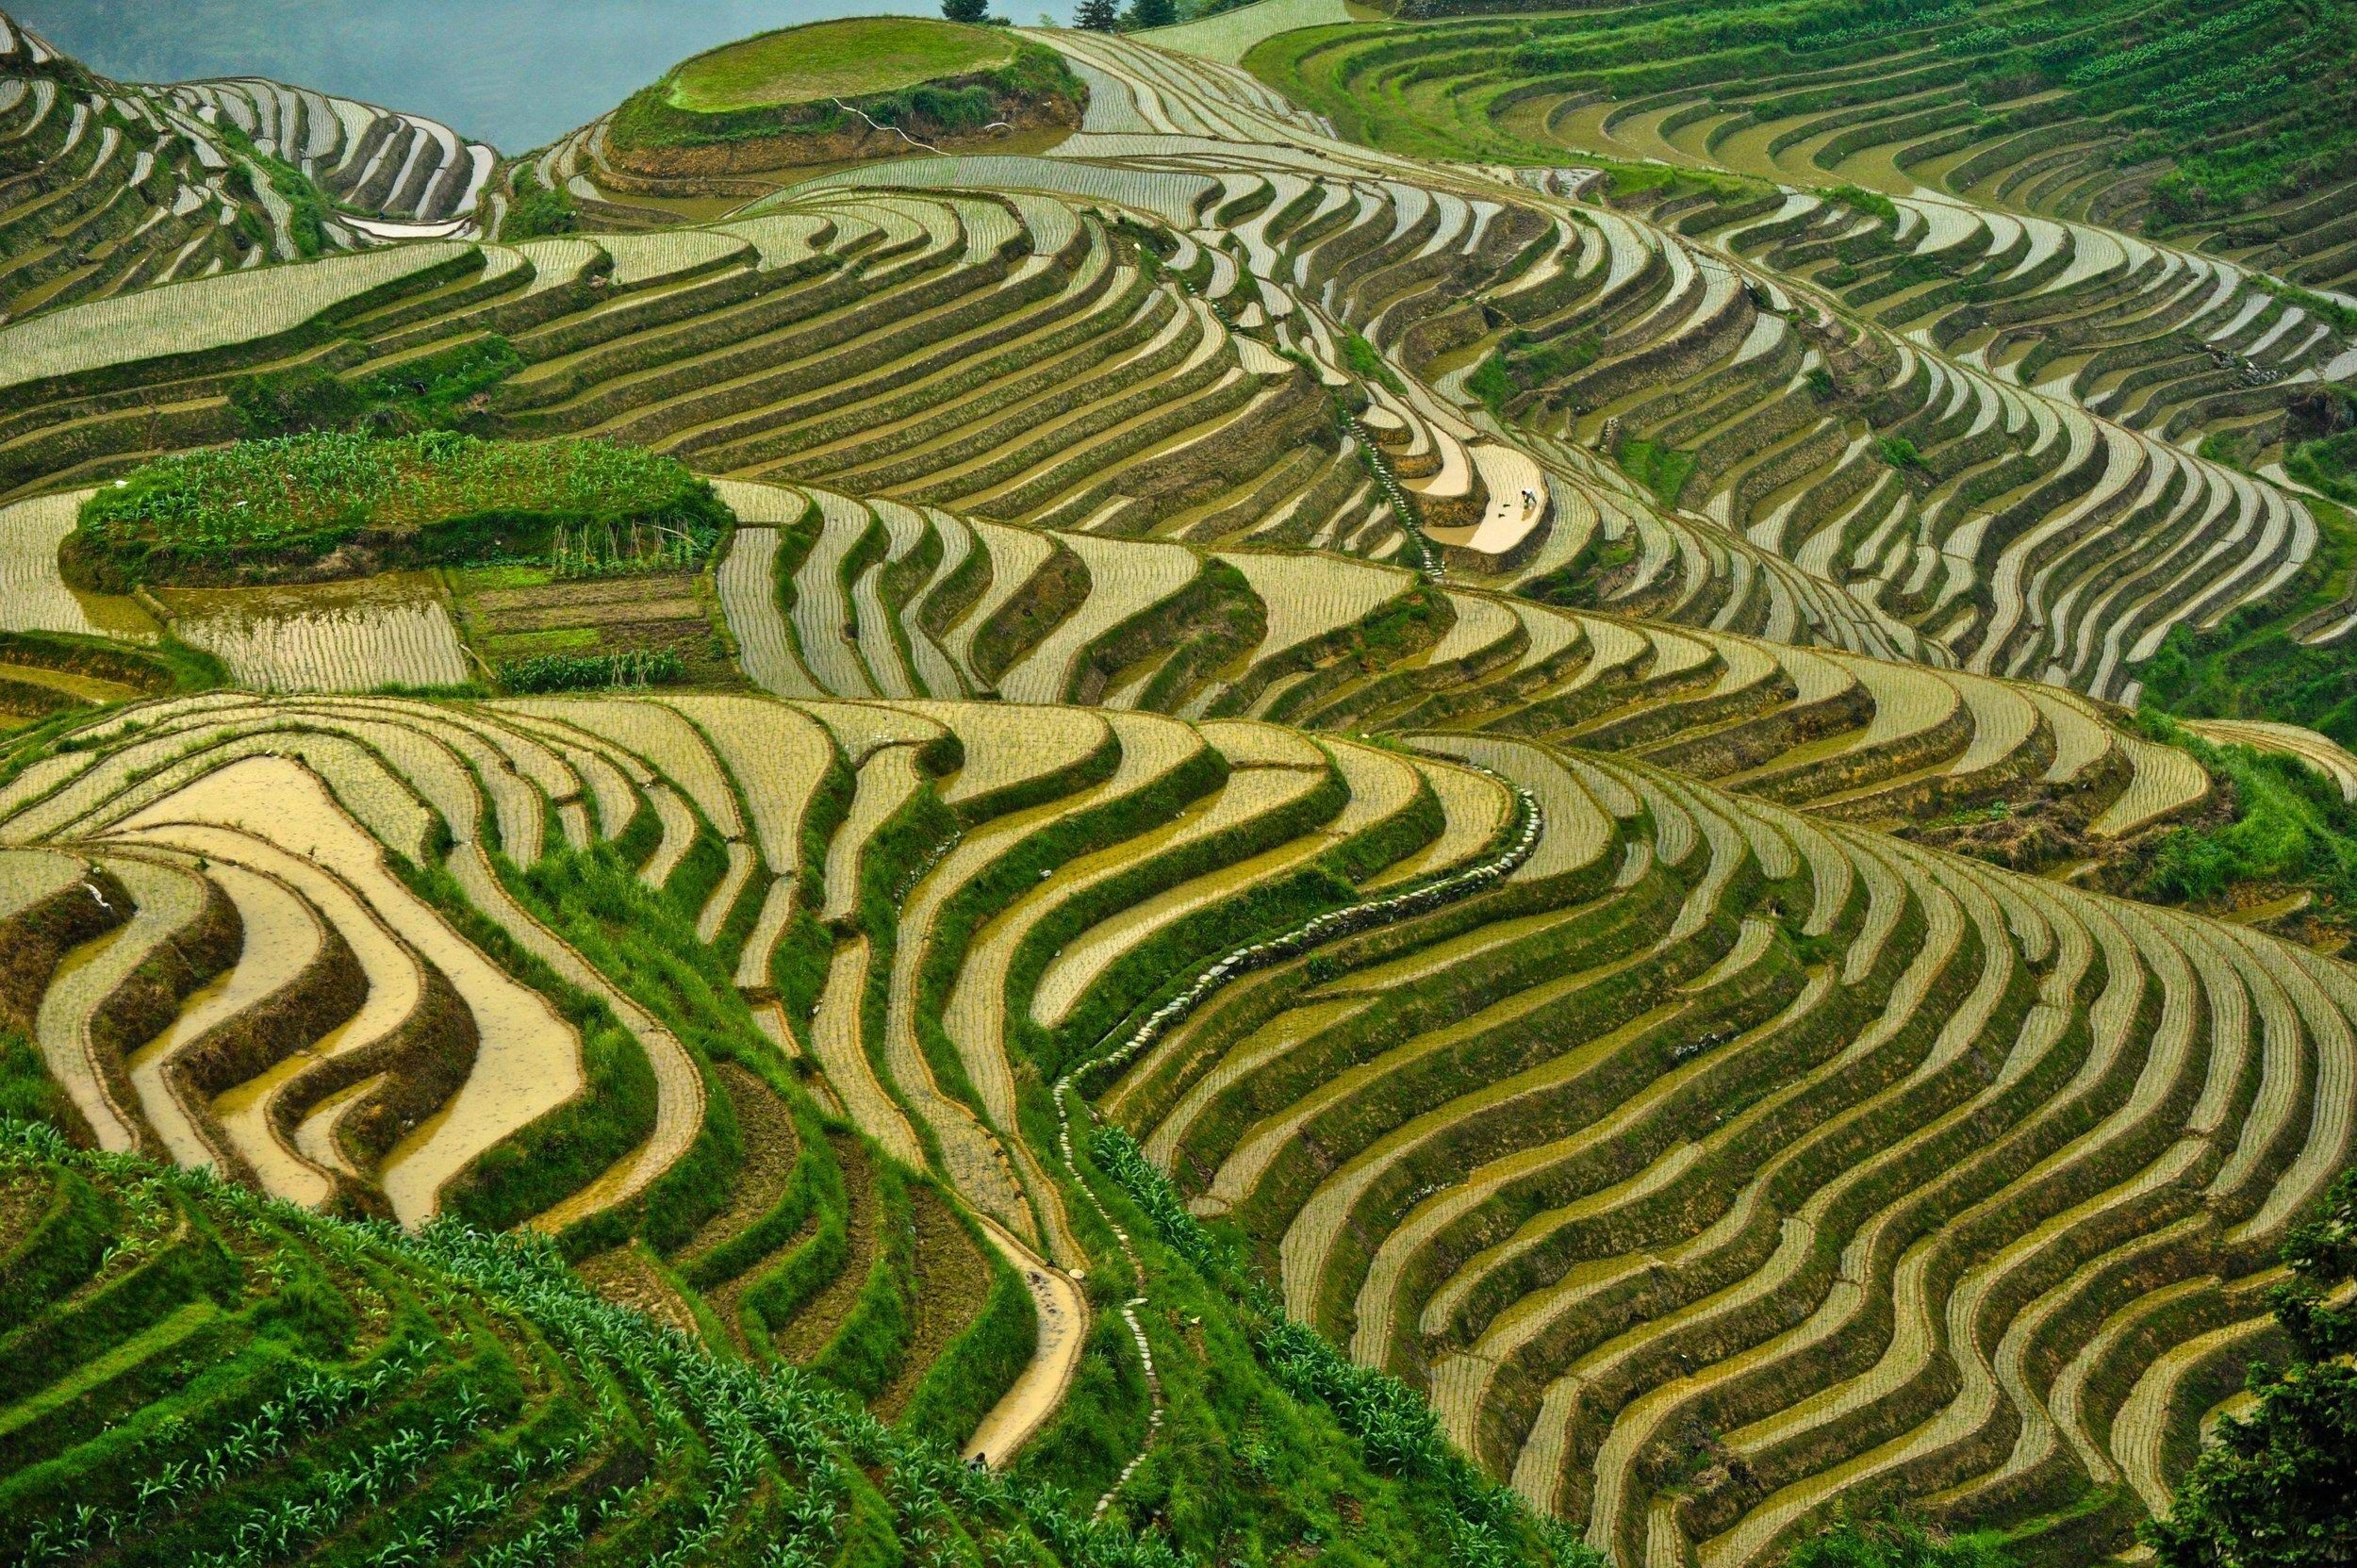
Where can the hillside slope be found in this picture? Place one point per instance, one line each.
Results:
(109, 186)
(1253, 824)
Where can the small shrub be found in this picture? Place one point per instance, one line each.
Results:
(1872, 203)
(538, 210)
(1366, 361)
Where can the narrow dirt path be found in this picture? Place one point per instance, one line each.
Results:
(1038, 1392)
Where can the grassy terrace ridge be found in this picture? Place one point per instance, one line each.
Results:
(854, 58)
(328, 504)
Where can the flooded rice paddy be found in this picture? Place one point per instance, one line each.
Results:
(388, 630)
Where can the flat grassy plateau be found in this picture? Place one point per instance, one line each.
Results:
(833, 59)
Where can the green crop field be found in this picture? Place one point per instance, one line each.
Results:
(1314, 786)
(827, 60)
(289, 502)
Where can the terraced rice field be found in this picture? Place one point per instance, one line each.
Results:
(1574, 1168)
(273, 815)
(391, 630)
(115, 186)
(1852, 737)
(1410, 707)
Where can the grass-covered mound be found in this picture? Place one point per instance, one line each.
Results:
(830, 90)
(329, 504)
(850, 58)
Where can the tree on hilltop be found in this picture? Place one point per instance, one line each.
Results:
(972, 13)
(1149, 13)
(1097, 16)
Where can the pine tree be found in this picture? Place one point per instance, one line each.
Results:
(972, 13)
(1150, 14)
(1097, 16)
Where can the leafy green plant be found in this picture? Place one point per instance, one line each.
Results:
(547, 672)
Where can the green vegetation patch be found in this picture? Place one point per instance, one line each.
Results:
(593, 671)
(1661, 469)
(1894, 1540)
(850, 58)
(2291, 828)
(233, 1380)
(435, 392)
(336, 504)
(1306, 1426)
(2328, 463)
(2254, 665)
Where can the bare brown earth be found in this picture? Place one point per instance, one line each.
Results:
(955, 1280)
(771, 1150)
(755, 156)
(625, 1277)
